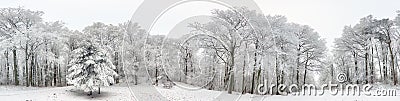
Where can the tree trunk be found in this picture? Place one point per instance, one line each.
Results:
(258, 76)
(156, 76)
(135, 78)
(32, 71)
(38, 72)
(366, 67)
(372, 66)
(116, 63)
(379, 63)
(305, 70)
(55, 74)
(298, 66)
(355, 66)
(253, 81)
(46, 67)
(243, 72)
(40, 77)
(392, 65)
(277, 72)
(16, 81)
(59, 75)
(26, 65)
(347, 71)
(384, 54)
(231, 70)
(99, 90)
(389, 42)
(231, 83)
(332, 72)
(45, 75)
(7, 67)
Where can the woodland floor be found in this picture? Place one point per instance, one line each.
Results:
(150, 93)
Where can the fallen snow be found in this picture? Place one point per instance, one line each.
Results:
(156, 93)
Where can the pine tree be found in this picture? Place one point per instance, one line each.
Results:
(90, 68)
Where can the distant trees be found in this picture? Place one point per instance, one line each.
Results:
(231, 29)
(36, 53)
(369, 50)
(242, 38)
(238, 50)
(132, 57)
(25, 32)
(16, 24)
(310, 51)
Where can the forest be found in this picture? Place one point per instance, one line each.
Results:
(236, 51)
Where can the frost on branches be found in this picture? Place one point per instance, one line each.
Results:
(90, 68)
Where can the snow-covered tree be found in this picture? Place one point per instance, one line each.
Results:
(15, 25)
(90, 68)
(368, 49)
(231, 27)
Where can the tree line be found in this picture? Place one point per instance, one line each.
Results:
(239, 49)
(37, 53)
(368, 51)
(236, 51)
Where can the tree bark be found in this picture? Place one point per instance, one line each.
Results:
(55, 74)
(392, 65)
(26, 65)
(99, 90)
(355, 66)
(298, 66)
(372, 66)
(277, 72)
(16, 81)
(243, 72)
(389, 42)
(231, 70)
(116, 63)
(156, 75)
(32, 71)
(7, 67)
(366, 67)
(305, 70)
(253, 81)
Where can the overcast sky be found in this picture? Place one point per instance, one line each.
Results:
(326, 16)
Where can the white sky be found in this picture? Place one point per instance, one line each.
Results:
(328, 17)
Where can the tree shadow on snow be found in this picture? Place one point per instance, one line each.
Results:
(95, 95)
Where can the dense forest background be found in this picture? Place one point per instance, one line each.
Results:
(237, 50)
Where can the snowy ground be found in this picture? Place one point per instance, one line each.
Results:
(148, 93)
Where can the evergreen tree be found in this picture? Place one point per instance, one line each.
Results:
(90, 68)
